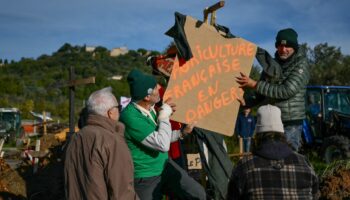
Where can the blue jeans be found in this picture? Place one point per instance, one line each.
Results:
(246, 144)
(293, 135)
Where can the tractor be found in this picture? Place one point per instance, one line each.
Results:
(10, 124)
(327, 123)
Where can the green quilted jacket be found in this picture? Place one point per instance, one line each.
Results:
(284, 84)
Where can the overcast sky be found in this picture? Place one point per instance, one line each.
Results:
(30, 28)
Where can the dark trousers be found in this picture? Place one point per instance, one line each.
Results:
(175, 180)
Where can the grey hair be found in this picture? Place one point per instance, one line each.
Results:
(101, 101)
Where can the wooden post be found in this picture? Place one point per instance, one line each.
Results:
(241, 154)
(36, 160)
(71, 84)
(212, 9)
(240, 147)
(71, 102)
(44, 123)
(34, 124)
(2, 141)
(28, 143)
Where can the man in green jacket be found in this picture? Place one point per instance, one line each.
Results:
(148, 135)
(282, 83)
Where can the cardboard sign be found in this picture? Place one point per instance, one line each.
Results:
(194, 161)
(204, 88)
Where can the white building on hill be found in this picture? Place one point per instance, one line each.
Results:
(119, 51)
(90, 49)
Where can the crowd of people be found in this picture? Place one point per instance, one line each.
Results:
(124, 155)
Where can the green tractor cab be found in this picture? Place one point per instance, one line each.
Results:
(10, 124)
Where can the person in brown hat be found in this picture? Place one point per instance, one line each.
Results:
(274, 171)
(282, 83)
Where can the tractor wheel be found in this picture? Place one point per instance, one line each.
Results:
(336, 148)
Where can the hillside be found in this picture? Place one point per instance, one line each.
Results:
(39, 84)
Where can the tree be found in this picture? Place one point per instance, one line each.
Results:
(142, 51)
(4, 102)
(66, 48)
(101, 49)
(26, 107)
(325, 63)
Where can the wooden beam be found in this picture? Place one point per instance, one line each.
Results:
(240, 154)
(212, 10)
(84, 81)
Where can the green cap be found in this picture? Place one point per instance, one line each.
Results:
(140, 84)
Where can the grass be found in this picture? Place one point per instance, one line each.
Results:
(331, 168)
(317, 162)
(10, 144)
